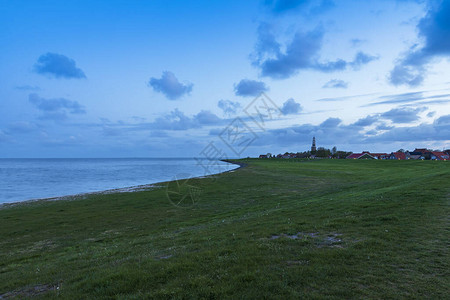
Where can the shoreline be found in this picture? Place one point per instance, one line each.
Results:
(129, 189)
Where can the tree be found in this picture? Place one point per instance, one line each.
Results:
(322, 152)
(334, 150)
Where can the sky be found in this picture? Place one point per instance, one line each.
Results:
(218, 79)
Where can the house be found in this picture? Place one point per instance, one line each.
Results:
(422, 150)
(289, 155)
(398, 155)
(268, 155)
(363, 155)
(438, 155)
(380, 155)
(413, 155)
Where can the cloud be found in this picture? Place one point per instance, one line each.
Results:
(330, 123)
(177, 120)
(247, 87)
(333, 132)
(361, 59)
(301, 53)
(206, 117)
(408, 75)
(443, 121)
(290, 107)
(366, 121)
(357, 42)
(55, 109)
(400, 98)
(336, 99)
(431, 114)
(279, 7)
(434, 31)
(169, 85)
(3, 136)
(439, 130)
(410, 98)
(403, 115)
(28, 88)
(21, 127)
(383, 126)
(336, 83)
(59, 66)
(228, 107)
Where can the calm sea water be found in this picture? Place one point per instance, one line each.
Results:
(26, 179)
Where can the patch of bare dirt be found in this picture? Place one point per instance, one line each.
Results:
(331, 240)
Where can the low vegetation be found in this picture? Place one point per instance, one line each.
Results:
(275, 229)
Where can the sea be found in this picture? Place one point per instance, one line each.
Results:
(28, 179)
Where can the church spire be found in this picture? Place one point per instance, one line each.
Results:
(313, 147)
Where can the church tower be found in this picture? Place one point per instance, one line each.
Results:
(313, 147)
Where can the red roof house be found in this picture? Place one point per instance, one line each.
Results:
(421, 150)
(398, 155)
(363, 155)
(438, 155)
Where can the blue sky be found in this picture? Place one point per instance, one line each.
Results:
(183, 78)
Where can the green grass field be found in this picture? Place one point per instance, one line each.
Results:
(274, 229)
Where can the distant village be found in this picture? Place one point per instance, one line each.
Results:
(321, 153)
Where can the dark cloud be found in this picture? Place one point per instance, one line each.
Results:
(383, 126)
(309, 7)
(336, 83)
(439, 130)
(169, 85)
(403, 115)
(443, 121)
(333, 132)
(409, 75)
(247, 87)
(330, 123)
(228, 107)
(331, 66)
(361, 59)
(58, 66)
(207, 118)
(366, 121)
(301, 53)
(434, 30)
(290, 107)
(28, 88)
(266, 43)
(55, 109)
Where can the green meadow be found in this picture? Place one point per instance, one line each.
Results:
(274, 229)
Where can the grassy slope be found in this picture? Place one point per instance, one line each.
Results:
(375, 229)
